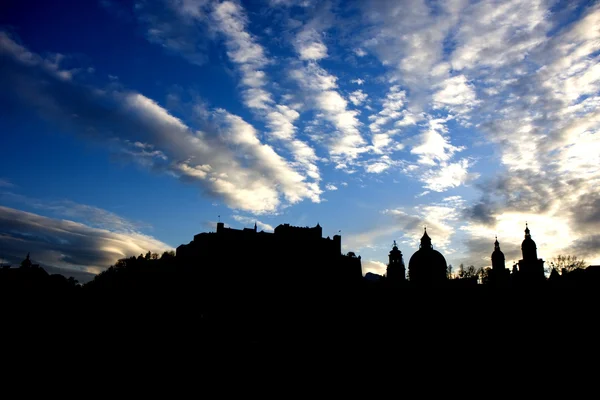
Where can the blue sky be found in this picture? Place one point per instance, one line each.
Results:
(131, 126)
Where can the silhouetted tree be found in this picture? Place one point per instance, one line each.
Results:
(484, 274)
(168, 254)
(566, 263)
(468, 273)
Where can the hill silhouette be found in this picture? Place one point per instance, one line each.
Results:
(253, 288)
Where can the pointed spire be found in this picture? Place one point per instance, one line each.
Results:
(254, 226)
(426, 240)
(497, 244)
(527, 232)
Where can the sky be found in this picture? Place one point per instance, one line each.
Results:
(131, 126)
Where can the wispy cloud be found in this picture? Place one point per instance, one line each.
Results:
(212, 157)
(346, 143)
(180, 27)
(250, 57)
(75, 249)
(251, 221)
(507, 90)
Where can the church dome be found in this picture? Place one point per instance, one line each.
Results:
(427, 265)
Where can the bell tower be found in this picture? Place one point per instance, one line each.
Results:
(498, 261)
(531, 268)
(396, 271)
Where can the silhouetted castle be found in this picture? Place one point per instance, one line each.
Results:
(290, 256)
(427, 266)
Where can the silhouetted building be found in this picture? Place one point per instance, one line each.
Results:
(499, 275)
(427, 266)
(26, 263)
(372, 277)
(290, 256)
(396, 271)
(531, 268)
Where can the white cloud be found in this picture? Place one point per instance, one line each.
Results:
(409, 39)
(434, 147)
(358, 97)
(360, 52)
(227, 159)
(456, 94)
(391, 106)
(330, 186)
(250, 56)
(375, 267)
(240, 133)
(256, 98)
(314, 78)
(251, 221)
(493, 35)
(281, 122)
(522, 76)
(377, 166)
(346, 143)
(448, 176)
(309, 45)
(244, 51)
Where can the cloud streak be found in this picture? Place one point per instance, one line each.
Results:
(226, 158)
(71, 248)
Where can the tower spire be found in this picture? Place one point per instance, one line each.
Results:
(426, 240)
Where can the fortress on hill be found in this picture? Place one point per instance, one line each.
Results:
(289, 255)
